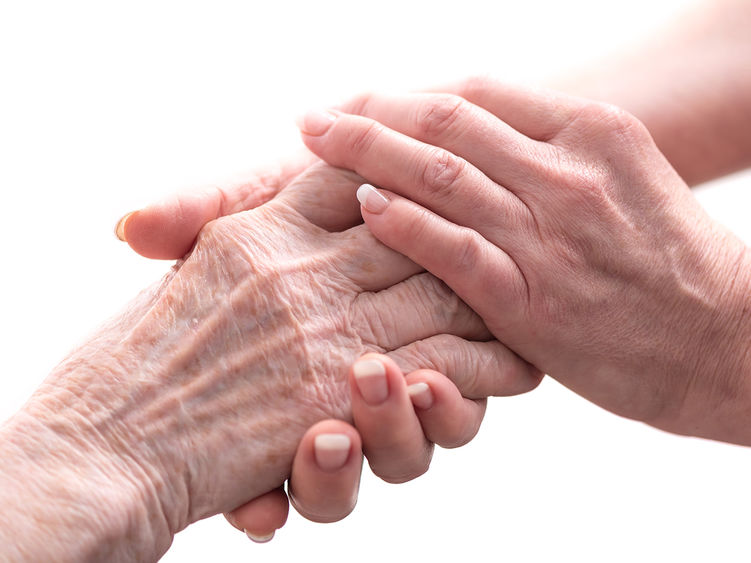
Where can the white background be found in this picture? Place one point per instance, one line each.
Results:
(105, 106)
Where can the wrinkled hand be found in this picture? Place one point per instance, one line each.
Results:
(202, 390)
(562, 225)
(388, 430)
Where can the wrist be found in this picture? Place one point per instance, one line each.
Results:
(734, 423)
(716, 398)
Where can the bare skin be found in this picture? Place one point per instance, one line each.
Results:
(589, 255)
(398, 437)
(196, 397)
(690, 86)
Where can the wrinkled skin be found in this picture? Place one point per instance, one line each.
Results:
(398, 436)
(588, 254)
(197, 396)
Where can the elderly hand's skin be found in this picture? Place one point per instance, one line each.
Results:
(391, 432)
(564, 227)
(194, 400)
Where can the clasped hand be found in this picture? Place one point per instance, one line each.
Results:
(563, 226)
(560, 223)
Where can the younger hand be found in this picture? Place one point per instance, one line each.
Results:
(562, 225)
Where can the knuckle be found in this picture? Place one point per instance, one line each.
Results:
(582, 186)
(438, 301)
(359, 103)
(441, 171)
(362, 137)
(439, 114)
(474, 384)
(418, 228)
(429, 353)
(587, 181)
(476, 84)
(469, 251)
(218, 233)
(431, 290)
(614, 122)
(374, 326)
(510, 375)
(617, 118)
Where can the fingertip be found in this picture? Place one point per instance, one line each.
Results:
(328, 446)
(331, 451)
(373, 360)
(451, 420)
(315, 123)
(420, 395)
(120, 227)
(260, 517)
(260, 538)
(393, 439)
(427, 383)
(371, 199)
(167, 230)
(326, 471)
(370, 380)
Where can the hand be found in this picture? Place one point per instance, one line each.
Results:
(563, 226)
(322, 494)
(396, 436)
(194, 399)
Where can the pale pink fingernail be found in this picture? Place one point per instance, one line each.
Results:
(421, 395)
(331, 450)
(370, 376)
(371, 199)
(120, 227)
(259, 539)
(315, 122)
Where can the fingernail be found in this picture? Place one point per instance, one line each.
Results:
(231, 519)
(315, 122)
(370, 376)
(421, 395)
(259, 539)
(371, 199)
(331, 450)
(120, 227)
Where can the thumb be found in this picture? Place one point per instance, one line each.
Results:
(167, 229)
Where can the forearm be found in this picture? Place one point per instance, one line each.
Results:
(68, 500)
(691, 87)
(77, 481)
